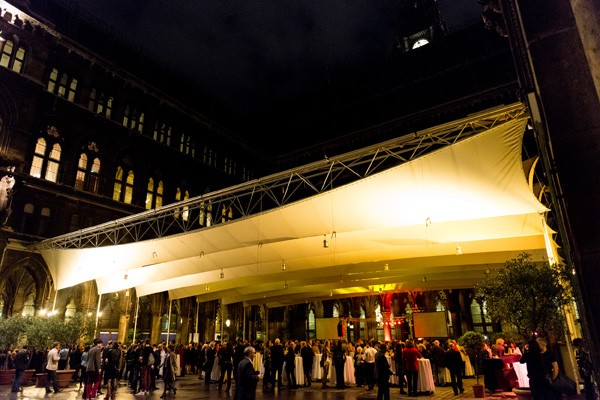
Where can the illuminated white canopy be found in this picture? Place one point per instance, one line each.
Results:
(400, 229)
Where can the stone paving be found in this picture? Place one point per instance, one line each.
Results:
(190, 387)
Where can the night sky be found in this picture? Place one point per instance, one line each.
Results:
(251, 55)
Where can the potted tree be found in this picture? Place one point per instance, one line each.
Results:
(11, 331)
(473, 343)
(528, 297)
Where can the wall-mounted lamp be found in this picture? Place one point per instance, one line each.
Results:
(285, 285)
(207, 288)
(283, 265)
(127, 292)
(125, 276)
(222, 274)
(227, 323)
(325, 242)
(424, 278)
(331, 293)
(386, 267)
(201, 254)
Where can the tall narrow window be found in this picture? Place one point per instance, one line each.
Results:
(183, 212)
(150, 194)
(61, 85)
(123, 186)
(39, 155)
(46, 157)
(53, 163)
(88, 173)
(100, 103)
(11, 57)
(154, 194)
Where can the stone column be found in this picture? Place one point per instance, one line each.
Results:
(124, 317)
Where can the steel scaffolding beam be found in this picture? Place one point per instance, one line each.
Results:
(259, 195)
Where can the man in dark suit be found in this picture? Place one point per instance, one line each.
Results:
(454, 364)
(246, 377)
(277, 358)
(382, 373)
(21, 364)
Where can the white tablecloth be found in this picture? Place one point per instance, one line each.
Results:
(468, 367)
(317, 371)
(521, 371)
(298, 371)
(425, 382)
(348, 372)
(394, 379)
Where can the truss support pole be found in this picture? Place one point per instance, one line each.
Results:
(169, 322)
(96, 333)
(137, 309)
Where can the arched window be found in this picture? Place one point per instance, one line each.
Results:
(44, 221)
(46, 160)
(154, 194)
(88, 174)
(184, 212)
(123, 186)
(133, 119)
(61, 85)
(11, 57)
(100, 103)
(481, 320)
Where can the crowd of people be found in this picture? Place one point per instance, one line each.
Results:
(101, 367)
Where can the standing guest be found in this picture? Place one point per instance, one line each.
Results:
(63, 357)
(438, 363)
(238, 355)
(325, 356)
(83, 365)
(147, 366)
(277, 358)
(550, 366)
(75, 361)
(209, 360)
(540, 388)
(410, 357)
(359, 367)
(339, 361)
(202, 360)
(21, 364)
(51, 367)
(399, 346)
(268, 382)
(111, 360)
(308, 357)
(169, 366)
(454, 363)
(93, 369)
(382, 372)
(290, 366)
(226, 364)
(370, 365)
(246, 377)
(585, 367)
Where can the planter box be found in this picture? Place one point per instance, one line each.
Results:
(6, 376)
(63, 378)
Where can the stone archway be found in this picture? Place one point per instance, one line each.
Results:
(27, 284)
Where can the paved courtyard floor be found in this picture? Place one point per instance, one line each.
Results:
(189, 387)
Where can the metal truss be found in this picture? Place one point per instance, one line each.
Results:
(256, 196)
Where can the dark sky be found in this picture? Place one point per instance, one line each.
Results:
(251, 54)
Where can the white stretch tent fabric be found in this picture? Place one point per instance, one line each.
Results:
(400, 229)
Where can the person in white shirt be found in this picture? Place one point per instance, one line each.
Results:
(370, 352)
(51, 367)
